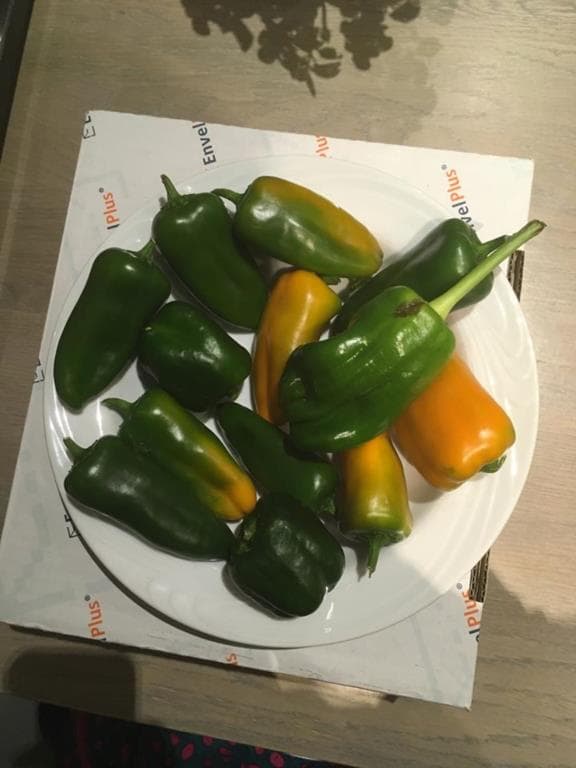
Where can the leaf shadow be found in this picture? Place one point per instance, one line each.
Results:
(309, 38)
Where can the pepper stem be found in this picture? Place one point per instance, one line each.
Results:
(444, 303)
(354, 283)
(172, 193)
(117, 404)
(494, 466)
(490, 245)
(228, 194)
(147, 252)
(327, 507)
(74, 450)
(375, 544)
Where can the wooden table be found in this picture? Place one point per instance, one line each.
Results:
(485, 76)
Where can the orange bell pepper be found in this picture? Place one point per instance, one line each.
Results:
(454, 429)
(298, 310)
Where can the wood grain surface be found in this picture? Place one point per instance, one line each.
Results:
(493, 76)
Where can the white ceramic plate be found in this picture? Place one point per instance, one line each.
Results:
(451, 531)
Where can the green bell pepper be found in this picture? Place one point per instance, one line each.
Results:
(131, 490)
(123, 291)
(274, 462)
(194, 234)
(158, 427)
(191, 357)
(284, 557)
(283, 220)
(345, 390)
(447, 253)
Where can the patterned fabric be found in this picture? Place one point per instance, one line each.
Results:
(80, 740)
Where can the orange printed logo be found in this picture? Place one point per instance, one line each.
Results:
(110, 210)
(95, 620)
(322, 146)
(456, 195)
(472, 614)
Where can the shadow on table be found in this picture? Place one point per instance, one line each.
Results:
(524, 664)
(522, 714)
(298, 34)
(105, 679)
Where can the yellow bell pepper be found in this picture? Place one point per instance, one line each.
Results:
(299, 308)
(373, 505)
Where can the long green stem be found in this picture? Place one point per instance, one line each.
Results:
(444, 303)
(74, 450)
(172, 193)
(228, 194)
(117, 404)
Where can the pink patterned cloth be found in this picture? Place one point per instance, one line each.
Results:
(80, 740)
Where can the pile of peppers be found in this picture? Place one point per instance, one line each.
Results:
(343, 381)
